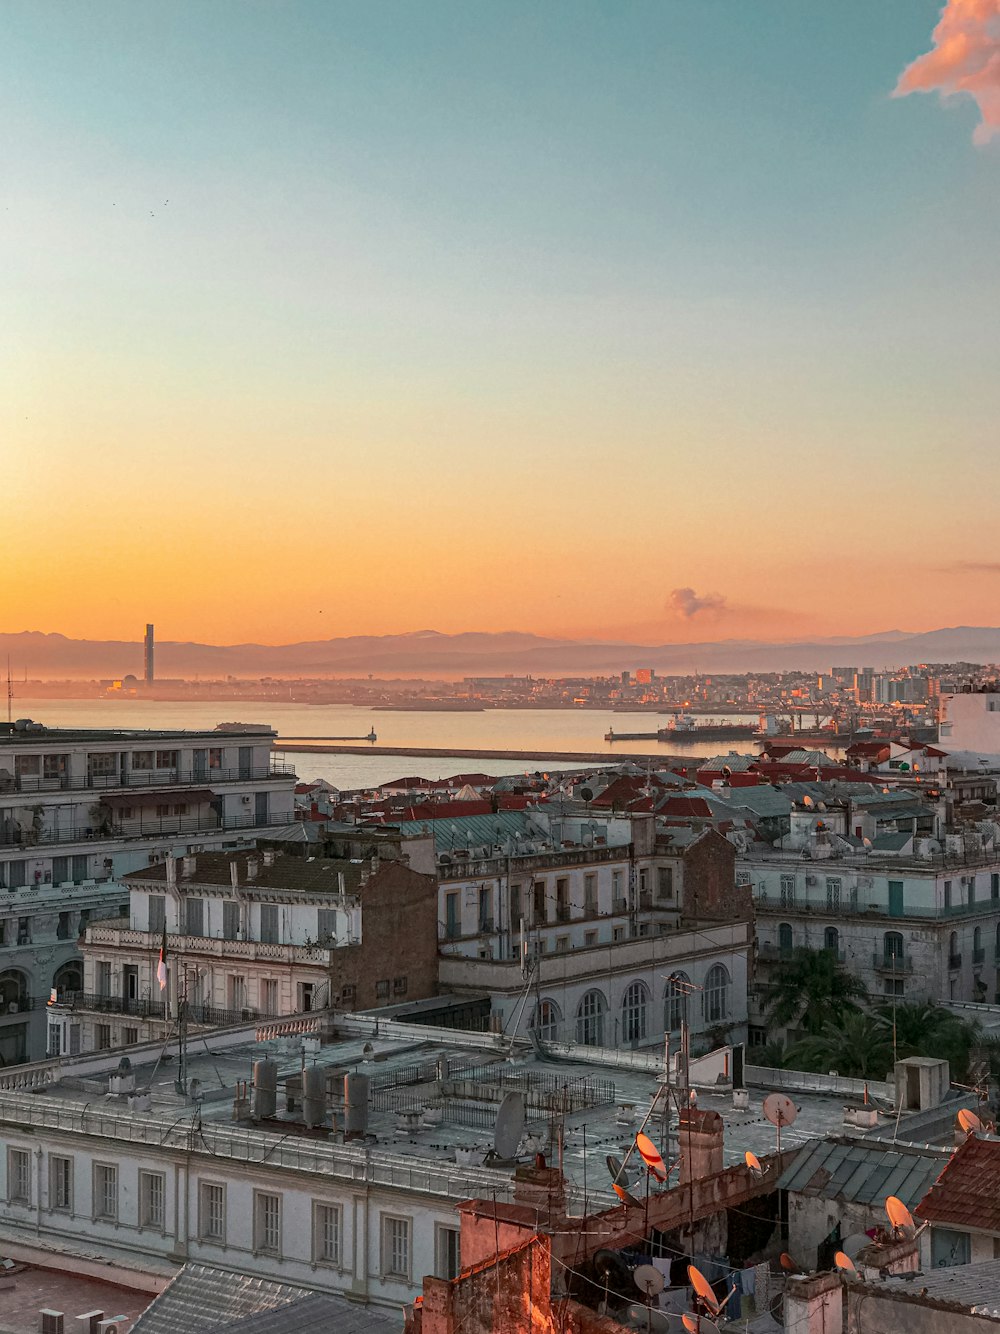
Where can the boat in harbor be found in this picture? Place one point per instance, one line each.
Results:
(683, 728)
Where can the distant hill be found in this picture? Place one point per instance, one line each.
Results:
(429, 653)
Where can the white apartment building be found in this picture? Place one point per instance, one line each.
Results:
(971, 722)
(911, 916)
(610, 918)
(79, 808)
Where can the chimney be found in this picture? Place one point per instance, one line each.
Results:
(268, 855)
(700, 1134)
(814, 1304)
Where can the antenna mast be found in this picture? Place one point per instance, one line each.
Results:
(10, 693)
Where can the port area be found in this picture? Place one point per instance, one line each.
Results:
(315, 747)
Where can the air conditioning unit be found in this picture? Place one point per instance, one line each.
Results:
(52, 1321)
(116, 1325)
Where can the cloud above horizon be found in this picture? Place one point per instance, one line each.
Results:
(972, 567)
(686, 603)
(965, 60)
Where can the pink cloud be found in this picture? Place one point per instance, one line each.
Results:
(686, 602)
(965, 60)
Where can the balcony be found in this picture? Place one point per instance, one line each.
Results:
(897, 964)
(119, 937)
(978, 957)
(144, 826)
(562, 912)
(954, 962)
(768, 952)
(139, 1007)
(136, 779)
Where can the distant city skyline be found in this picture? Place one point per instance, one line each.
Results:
(656, 322)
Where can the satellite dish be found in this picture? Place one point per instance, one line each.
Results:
(651, 1156)
(780, 1111)
(651, 1320)
(624, 1196)
(867, 843)
(618, 1170)
(844, 1263)
(649, 1280)
(807, 801)
(899, 1216)
(969, 1121)
(510, 1125)
(855, 1244)
(703, 1289)
(789, 1265)
(697, 1324)
(753, 1162)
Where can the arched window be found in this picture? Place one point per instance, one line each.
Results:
(892, 946)
(953, 959)
(678, 986)
(546, 1020)
(13, 991)
(717, 994)
(634, 1013)
(68, 978)
(977, 945)
(590, 1019)
(831, 939)
(785, 938)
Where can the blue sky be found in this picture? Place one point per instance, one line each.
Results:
(504, 276)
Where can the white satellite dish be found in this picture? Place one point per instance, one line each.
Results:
(698, 1324)
(649, 1280)
(780, 1111)
(855, 1244)
(509, 1125)
(651, 1320)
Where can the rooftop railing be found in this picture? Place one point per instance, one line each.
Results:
(137, 779)
(145, 825)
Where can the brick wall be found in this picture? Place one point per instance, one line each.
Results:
(710, 889)
(399, 945)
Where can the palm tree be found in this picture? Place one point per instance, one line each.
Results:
(924, 1028)
(772, 1055)
(855, 1045)
(812, 987)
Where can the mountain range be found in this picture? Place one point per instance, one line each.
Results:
(429, 653)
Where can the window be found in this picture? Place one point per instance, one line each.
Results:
(24, 930)
(60, 870)
(327, 1227)
(674, 1001)
(64, 927)
(236, 992)
(833, 886)
(546, 1020)
(590, 893)
(157, 913)
(60, 1183)
(105, 1191)
(452, 916)
(995, 886)
(589, 939)
(166, 759)
(665, 882)
(142, 760)
(17, 872)
(590, 1019)
(785, 938)
(485, 908)
(347, 993)
(643, 880)
(446, 1251)
(194, 917)
(717, 994)
(269, 995)
(972, 890)
(892, 948)
(616, 889)
(215, 757)
(54, 766)
(266, 1222)
(895, 986)
(152, 1189)
(831, 940)
(787, 891)
(102, 1037)
(634, 1013)
(230, 919)
(382, 988)
(399, 986)
(19, 1176)
(515, 905)
(270, 932)
(54, 1047)
(395, 1247)
(212, 1212)
(947, 894)
(130, 1036)
(743, 878)
(326, 925)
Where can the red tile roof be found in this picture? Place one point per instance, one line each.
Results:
(967, 1192)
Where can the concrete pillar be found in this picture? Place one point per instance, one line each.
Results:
(815, 1304)
(701, 1141)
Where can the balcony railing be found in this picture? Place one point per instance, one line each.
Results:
(136, 779)
(140, 826)
(138, 1006)
(18, 1005)
(124, 936)
(892, 963)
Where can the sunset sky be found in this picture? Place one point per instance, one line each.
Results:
(666, 321)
